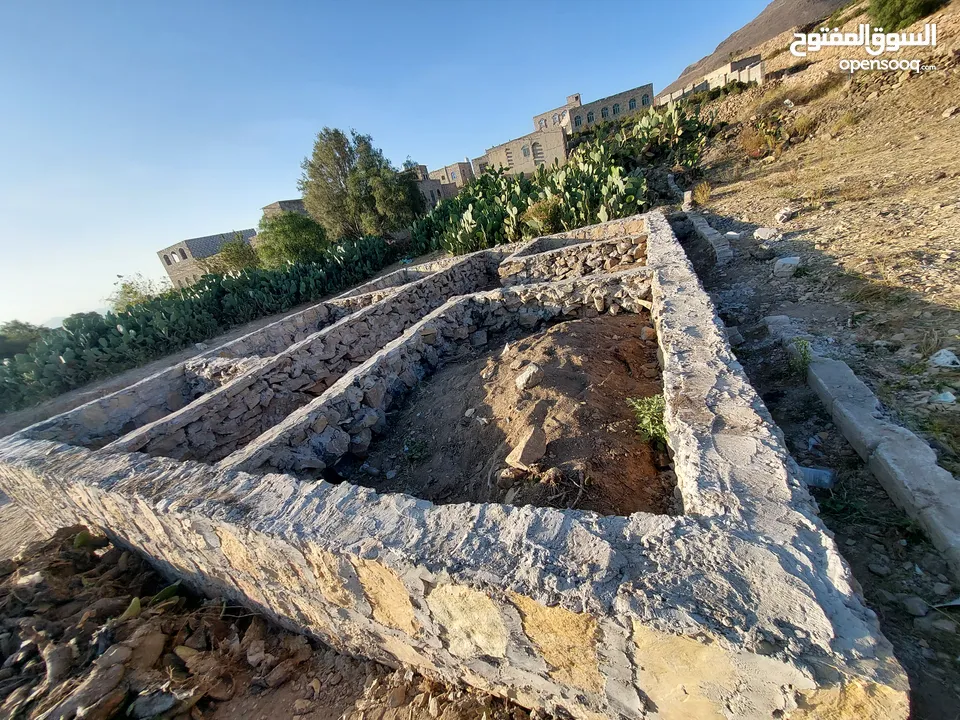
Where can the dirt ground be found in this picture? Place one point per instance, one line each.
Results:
(451, 436)
(86, 628)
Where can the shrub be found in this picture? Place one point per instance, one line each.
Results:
(893, 15)
(602, 180)
(649, 413)
(803, 125)
(752, 142)
(543, 217)
(701, 193)
(848, 119)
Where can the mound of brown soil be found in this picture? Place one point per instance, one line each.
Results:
(450, 439)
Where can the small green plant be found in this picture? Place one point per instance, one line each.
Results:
(803, 126)
(649, 413)
(416, 450)
(543, 217)
(848, 119)
(701, 193)
(801, 358)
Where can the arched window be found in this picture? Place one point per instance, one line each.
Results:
(632, 104)
(543, 123)
(556, 119)
(604, 113)
(616, 109)
(577, 121)
(176, 258)
(453, 175)
(591, 117)
(183, 254)
(538, 154)
(525, 150)
(645, 100)
(563, 115)
(166, 259)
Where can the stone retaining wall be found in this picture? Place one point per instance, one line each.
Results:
(345, 419)
(574, 260)
(742, 607)
(229, 417)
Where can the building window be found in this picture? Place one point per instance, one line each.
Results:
(577, 121)
(591, 117)
(166, 259)
(183, 254)
(543, 123)
(556, 119)
(632, 104)
(645, 100)
(525, 150)
(616, 109)
(176, 258)
(563, 115)
(453, 175)
(604, 113)
(538, 154)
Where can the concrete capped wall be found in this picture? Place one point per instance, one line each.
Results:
(741, 607)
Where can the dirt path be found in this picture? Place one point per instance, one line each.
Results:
(451, 438)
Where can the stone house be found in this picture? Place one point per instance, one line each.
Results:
(281, 206)
(453, 177)
(181, 260)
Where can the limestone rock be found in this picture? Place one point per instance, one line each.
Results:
(765, 233)
(532, 447)
(530, 377)
(786, 267)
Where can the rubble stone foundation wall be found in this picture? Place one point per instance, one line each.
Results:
(742, 607)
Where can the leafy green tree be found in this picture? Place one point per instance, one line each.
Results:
(893, 15)
(290, 238)
(351, 189)
(234, 255)
(17, 337)
(134, 289)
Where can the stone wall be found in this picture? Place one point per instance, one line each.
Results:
(574, 260)
(742, 607)
(345, 419)
(244, 408)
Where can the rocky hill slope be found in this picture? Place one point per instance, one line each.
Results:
(777, 17)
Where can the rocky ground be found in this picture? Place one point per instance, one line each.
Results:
(537, 419)
(869, 201)
(87, 630)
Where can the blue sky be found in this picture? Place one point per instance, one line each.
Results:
(128, 126)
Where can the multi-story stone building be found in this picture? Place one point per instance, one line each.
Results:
(630, 102)
(524, 154)
(548, 142)
(181, 261)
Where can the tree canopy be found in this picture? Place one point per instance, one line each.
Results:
(17, 336)
(351, 188)
(234, 255)
(290, 238)
(134, 289)
(894, 15)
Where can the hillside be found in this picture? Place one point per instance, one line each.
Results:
(777, 17)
